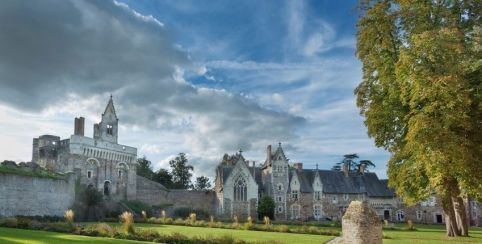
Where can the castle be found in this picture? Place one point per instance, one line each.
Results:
(98, 161)
(299, 194)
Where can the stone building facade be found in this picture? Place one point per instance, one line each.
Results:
(312, 194)
(98, 161)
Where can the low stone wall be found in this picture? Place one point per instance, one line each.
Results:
(31, 196)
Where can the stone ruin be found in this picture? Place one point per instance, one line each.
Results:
(360, 225)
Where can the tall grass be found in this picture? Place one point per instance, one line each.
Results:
(127, 220)
(69, 216)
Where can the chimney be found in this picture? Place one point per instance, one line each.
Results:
(79, 126)
(362, 168)
(268, 154)
(298, 166)
(254, 170)
(345, 170)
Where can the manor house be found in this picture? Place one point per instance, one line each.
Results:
(315, 194)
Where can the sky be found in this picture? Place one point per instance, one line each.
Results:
(200, 77)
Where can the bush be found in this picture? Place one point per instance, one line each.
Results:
(9, 222)
(138, 207)
(266, 207)
(35, 225)
(105, 229)
(185, 212)
(23, 222)
(282, 228)
(127, 220)
(59, 227)
(147, 235)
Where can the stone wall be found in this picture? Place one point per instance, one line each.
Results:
(30, 196)
(153, 193)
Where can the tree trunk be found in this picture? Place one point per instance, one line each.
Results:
(461, 215)
(450, 220)
(459, 208)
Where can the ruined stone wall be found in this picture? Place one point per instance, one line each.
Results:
(205, 200)
(30, 196)
(151, 192)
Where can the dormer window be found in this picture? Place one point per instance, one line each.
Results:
(110, 130)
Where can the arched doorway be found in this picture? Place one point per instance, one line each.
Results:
(106, 188)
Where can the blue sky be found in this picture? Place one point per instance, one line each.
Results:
(201, 77)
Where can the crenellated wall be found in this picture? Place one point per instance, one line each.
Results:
(30, 196)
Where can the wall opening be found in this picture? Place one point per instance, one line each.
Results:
(107, 188)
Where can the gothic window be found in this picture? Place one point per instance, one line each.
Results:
(317, 211)
(295, 211)
(240, 190)
(89, 174)
(294, 195)
(110, 130)
(119, 173)
(317, 195)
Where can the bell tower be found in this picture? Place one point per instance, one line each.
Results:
(107, 129)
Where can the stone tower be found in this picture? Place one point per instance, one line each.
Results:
(107, 129)
(280, 181)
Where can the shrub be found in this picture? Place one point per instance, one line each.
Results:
(282, 228)
(127, 220)
(185, 212)
(9, 222)
(266, 207)
(147, 235)
(69, 216)
(59, 227)
(410, 225)
(249, 223)
(35, 225)
(105, 229)
(144, 215)
(179, 221)
(23, 222)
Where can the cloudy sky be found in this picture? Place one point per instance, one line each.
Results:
(200, 77)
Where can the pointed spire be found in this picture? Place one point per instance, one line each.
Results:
(111, 105)
(316, 166)
(240, 151)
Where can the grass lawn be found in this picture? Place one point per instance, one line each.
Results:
(250, 236)
(430, 234)
(10, 235)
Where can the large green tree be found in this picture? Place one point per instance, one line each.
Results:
(144, 168)
(421, 97)
(202, 183)
(181, 172)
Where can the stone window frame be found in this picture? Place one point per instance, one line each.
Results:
(295, 211)
(294, 195)
(334, 199)
(280, 199)
(317, 195)
(280, 209)
(110, 129)
(89, 174)
(240, 190)
(346, 197)
(315, 211)
(280, 187)
(418, 214)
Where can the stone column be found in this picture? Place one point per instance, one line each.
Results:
(360, 225)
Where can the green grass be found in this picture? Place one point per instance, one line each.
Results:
(250, 236)
(10, 235)
(430, 234)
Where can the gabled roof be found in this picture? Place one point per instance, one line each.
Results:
(335, 182)
(110, 107)
(226, 170)
(279, 152)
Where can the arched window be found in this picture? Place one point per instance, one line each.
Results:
(106, 188)
(280, 187)
(240, 190)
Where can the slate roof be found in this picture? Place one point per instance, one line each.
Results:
(227, 169)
